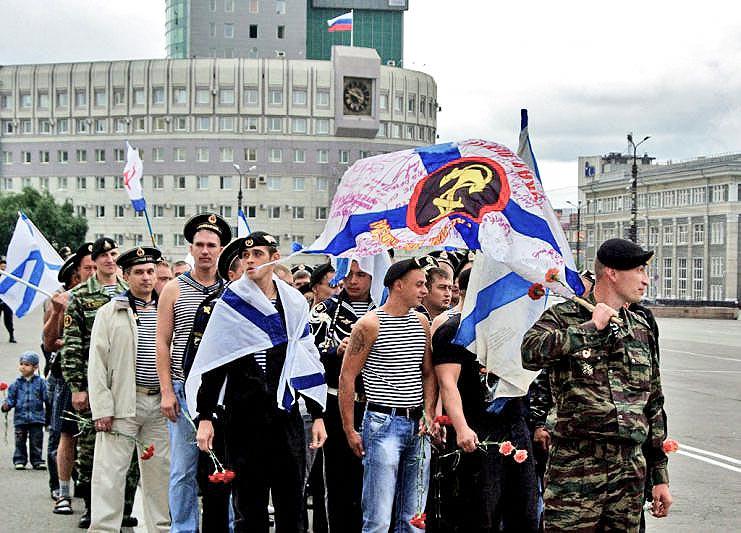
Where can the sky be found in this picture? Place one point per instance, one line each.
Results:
(588, 72)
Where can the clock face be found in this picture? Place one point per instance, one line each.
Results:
(356, 96)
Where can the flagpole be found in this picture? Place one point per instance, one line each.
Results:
(24, 282)
(149, 226)
(352, 27)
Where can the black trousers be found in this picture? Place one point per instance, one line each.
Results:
(215, 496)
(7, 313)
(33, 435)
(343, 472)
(267, 457)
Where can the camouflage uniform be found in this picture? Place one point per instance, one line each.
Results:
(607, 393)
(85, 300)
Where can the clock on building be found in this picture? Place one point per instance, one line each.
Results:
(356, 96)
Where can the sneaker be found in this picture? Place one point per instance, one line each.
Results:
(129, 521)
(19, 466)
(39, 466)
(63, 506)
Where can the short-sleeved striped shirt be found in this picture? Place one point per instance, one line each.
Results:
(392, 374)
(191, 295)
(146, 350)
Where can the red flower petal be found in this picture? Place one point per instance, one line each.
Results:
(3, 385)
(229, 475)
(506, 448)
(536, 291)
(552, 275)
(443, 420)
(670, 445)
(520, 456)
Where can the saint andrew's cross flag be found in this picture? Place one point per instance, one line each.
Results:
(243, 322)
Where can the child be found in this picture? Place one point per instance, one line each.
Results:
(28, 396)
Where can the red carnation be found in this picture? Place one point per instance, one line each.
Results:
(670, 445)
(150, 448)
(212, 478)
(146, 456)
(443, 420)
(552, 275)
(229, 476)
(536, 291)
(520, 456)
(506, 448)
(418, 520)
(3, 386)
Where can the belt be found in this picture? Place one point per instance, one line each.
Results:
(149, 391)
(413, 413)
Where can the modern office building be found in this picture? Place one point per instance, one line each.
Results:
(688, 212)
(298, 122)
(292, 29)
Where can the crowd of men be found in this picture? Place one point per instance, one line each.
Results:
(123, 335)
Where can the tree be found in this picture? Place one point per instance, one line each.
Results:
(58, 223)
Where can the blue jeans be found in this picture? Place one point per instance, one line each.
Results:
(31, 435)
(183, 492)
(396, 472)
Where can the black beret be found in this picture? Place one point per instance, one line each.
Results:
(101, 246)
(444, 256)
(305, 268)
(622, 254)
(140, 255)
(65, 252)
(226, 258)
(305, 288)
(399, 269)
(68, 268)
(85, 248)
(319, 272)
(464, 258)
(211, 222)
(259, 238)
(426, 262)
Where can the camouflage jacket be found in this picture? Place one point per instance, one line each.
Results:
(605, 384)
(85, 300)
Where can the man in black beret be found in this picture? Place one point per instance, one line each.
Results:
(605, 382)
(319, 283)
(302, 276)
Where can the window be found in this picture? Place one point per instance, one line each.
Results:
(225, 183)
(181, 123)
(100, 211)
(322, 183)
(62, 182)
(27, 126)
(99, 155)
(26, 100)
(178, 154)
(82, 156)
(100, 182)
(253, 31)
(274, 211)
(412, 103)
(6, 101)
(667, 278)
(158, 95)
(119, 125)
(299, 156)
(140, 124)
(716, 267)
(42, 100)
(8, 158)
(44, 126)
(254, 6)
(251, 182)
(62, 125)
(321, 213)
(717, 232)
(720, 193)
(158, 183)
(229, 6)
(250, 154)
(100, 125)
(299, 97)
(298, 125)
(179, 211)
(226, 154)
(81, 125)
(683, 197)
(668, 235)
(202, 155)
(43, 156)
(118, 155)
(202, 182)
(62, 98)
(280, 7)
(281, 33)
(179, 95)
(212, 5)
(276, 155)
(422, 105)
(364, 154)
(226, 123)
(698, 233)
(158, 154)
(226, 96)
(180, 182)
(203, 96)
(250, 124)
(383, 101)
(251, 211)
(249, 96)
(159, 239)
(139, 96)
(299, 184)
(322, 156)
(297, 212)
(697, 278)
(681, 233)
(322, 126)
(81, 211)
(276, 96)
(667, 199)
(682, 277)
(225, 211)
(274, 183)
(411, 132)
(81, 183)
(698, 195)
(275, 124)
(118, 210)
(398, 103)
(396, 131)
(26, 157)
(716, 292)
(119, 97)
(203, 123)
(179, 239)
(344, 157)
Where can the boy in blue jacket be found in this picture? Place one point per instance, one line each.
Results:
(29, 397)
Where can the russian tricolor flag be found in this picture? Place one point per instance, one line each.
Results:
(341, 23)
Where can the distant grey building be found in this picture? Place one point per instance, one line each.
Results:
(300, 123)
(688, 212)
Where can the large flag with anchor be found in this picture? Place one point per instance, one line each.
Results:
(32, 259)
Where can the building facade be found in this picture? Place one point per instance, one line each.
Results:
(291, 29)
(299, 123)
(688, 212)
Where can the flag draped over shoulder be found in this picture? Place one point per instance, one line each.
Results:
(31, 258)
(243, 322)
(132, 173)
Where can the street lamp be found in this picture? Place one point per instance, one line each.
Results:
(634, 189)
(578, 231)
(239, 194)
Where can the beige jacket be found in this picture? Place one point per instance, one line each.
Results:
(111, 372)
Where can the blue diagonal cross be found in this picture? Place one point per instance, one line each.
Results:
(35, 278)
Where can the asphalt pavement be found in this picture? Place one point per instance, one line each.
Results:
(701, 374)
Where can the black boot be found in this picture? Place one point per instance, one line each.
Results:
(84, 522)
(128, 520)
(12, 339)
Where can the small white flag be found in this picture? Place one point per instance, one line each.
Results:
(132, 174)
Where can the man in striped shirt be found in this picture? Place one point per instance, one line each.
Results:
(125, 400)
(390, 348)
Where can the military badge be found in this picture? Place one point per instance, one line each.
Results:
(139, 252)
(212, 219)
(67, 321)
